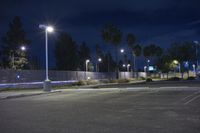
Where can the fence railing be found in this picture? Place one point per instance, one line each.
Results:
(18, 76)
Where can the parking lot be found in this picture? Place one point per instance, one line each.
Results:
(168, 109)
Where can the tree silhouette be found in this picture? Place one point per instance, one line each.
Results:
(66, 53)
(84, 54)
(13, 56)
(136, 51)
(111, 34)
(131, 41)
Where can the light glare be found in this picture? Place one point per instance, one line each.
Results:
(49, 29)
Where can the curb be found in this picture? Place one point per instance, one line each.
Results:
(27, 95)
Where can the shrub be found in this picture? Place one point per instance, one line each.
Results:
(79, 83)
(123, 81)
(174, 79)
(142, 78)
(149, 80)
(191, 78)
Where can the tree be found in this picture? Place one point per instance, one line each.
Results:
(107, 64)
(66, 53)
(111, 34)
(182, 52)
(12, 55)
(136, 51)
(152, 51)
(164, 64)
(131, 40)
(84, 54)
(99, 54)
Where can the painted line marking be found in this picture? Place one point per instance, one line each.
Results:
(193, 94)
(194, 98)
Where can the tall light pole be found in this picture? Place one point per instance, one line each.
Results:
(197, 44)
(128, 66)
(47, 29)
(86, 68)
(99, 61)
(86, 65)
(194, 69)
(145, 71)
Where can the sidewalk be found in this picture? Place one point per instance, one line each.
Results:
(8, 94)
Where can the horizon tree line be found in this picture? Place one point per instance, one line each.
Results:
(71, 56)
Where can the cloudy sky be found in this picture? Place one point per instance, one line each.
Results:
(155, 21)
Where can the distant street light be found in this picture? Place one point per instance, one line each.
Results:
(86, 69)
(47, 29)
(99, 59)
(23, 48)
(197, 44)
(86, 65)
(97, 66)
(194, 69)
(177, 64)
(128, 66)
(145, 70)
(122, 50)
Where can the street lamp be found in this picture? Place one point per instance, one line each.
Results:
(194, 69)
(122, 50)
(177, 64)
(47, 29)
(128, 66)
(86, 65)
(23, 48)
(99, 60)
(197, 43)
(86, 69)
(145, 70)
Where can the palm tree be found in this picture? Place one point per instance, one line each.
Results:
(131, 40)
(137, 51)
(111, 34)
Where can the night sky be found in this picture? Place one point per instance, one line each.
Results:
(161, 22)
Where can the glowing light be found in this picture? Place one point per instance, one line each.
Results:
(23, 48)
(49, 28)
(99, 59)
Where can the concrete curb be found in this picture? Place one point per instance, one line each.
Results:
(27, 95)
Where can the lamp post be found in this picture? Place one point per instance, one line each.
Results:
(47, 29)
(99, 60)
(86, 68)
(86, 65)
(197, 44)
(145, 70)
(124, 70)
(128, 66)
(177, 64)
(194, 69)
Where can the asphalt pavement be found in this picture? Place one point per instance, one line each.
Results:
(164, 109)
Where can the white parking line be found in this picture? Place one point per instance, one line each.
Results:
(194, 98)
(185, 98)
